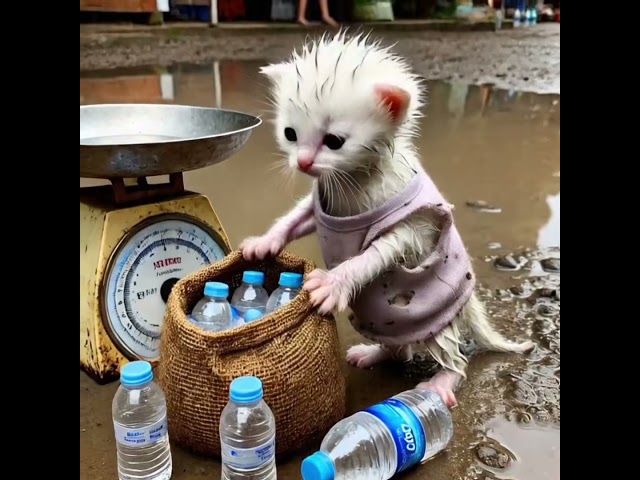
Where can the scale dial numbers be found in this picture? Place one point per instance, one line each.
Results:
(143, 269)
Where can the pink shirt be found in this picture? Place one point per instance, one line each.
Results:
(402, 306)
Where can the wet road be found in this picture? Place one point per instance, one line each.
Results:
(525, 58)
(479, 144)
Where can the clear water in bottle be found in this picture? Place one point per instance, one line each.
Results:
(383, 440)
(251, 294)
(290, 285)
(213, 313)
(140, 423)
(247, 433)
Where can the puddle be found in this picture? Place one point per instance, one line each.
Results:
(517, 452)
(480, 145)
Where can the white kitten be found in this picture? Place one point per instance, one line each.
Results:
(347, 111)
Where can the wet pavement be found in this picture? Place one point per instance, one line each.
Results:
(495, 155)
(525, 58)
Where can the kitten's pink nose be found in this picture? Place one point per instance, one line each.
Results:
(305, 159)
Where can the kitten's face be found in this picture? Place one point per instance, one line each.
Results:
(319, 138)
(339, 105)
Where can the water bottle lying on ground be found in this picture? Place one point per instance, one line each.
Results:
(213, 313)
(251, 294)
(290, 285)
(383, 440)
(247, 433)
(140, 423)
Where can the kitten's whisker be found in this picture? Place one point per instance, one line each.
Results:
(350, 183)
(346, 197)
(339, 190)
(331, 196)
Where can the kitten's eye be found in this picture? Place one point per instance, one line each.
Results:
(333, 141)
(290, 134)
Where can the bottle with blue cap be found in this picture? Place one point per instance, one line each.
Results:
(140, 424)
(251, 294)
(247, 433)
(516, 18)
(252, 315)
(383, 440)
(213, 313)
(289, 285)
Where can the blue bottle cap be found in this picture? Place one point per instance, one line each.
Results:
(245, 390)
(253, 278)
(136, 373)
(252, 315)
(290, 280)
(318, 466)
(216, 290)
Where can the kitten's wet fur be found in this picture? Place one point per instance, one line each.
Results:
(347, 110)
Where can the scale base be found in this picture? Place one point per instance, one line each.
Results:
(103, 223)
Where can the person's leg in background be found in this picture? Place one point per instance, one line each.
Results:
(324, 10)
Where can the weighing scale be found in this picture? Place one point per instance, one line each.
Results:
(137, 239)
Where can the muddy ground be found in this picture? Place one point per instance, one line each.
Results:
(495, 155)
(527, 59)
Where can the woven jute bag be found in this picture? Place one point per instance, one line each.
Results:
(294, 351)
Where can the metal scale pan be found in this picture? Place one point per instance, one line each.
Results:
(137, 140)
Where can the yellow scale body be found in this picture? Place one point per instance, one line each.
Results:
(104, 226)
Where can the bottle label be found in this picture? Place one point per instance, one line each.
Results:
(406, 430)
(141, 437)
(249, 457)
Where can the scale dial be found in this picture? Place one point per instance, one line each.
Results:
(143, 269)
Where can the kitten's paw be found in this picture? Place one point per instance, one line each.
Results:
(258, 248)
(366, 356)
(328, 292)
(446, 393)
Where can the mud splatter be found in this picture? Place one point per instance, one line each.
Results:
(483, 206)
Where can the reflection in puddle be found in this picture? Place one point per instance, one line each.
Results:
(522, 453)
(477, 144)
(549, 235)
(143, 87)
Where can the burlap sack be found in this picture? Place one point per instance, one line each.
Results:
(294, 351)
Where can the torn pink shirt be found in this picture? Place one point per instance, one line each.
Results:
(402, 306)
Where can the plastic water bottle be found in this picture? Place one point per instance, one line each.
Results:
(213, 313)
(383, 440)
(534, 16)
(140, 424)
(251, 294)
(252, 315)
(247, 433)
(289, 286)
(516, 19)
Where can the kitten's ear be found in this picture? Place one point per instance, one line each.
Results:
(275, 71)
(395, 99)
